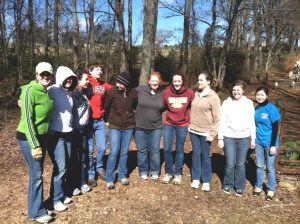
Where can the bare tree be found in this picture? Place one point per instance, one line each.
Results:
(3, 46)
(184, 49)
(129, 41)
(91, 33)
(46, 27)
(56, 27)
(18, 5)
(75, 34)
(149, 27)
(31, 34)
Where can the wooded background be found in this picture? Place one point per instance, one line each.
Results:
(244, 38)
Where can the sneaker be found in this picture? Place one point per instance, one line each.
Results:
(59, 206)
(92, 182)
(67, 200)
(85, 188)
(177, 180)
(270, 195)
(256, 192)
(101, 175)
(239, 193)
(144, 177)
(226, 190)
(125, 181)
(110, 186)
(76, 192)
(195, 184)
(205, 187)
(154, 177)
(167, 178)
(44, 219)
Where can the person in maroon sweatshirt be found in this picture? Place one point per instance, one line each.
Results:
(177, 99)
(96, 126)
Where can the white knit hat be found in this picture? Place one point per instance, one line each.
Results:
(43, 67)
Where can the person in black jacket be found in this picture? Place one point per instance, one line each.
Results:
(119, 104)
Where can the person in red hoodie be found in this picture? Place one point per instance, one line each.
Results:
(96, 126)
(177, 99)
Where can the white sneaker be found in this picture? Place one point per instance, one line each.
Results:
(85, 188)
(67, 200)
(144, 177)
(44, 219)
(154, 177)
(195, 184)
(59, 206)
(177, 180)
(205, 187)
(167, 178)
(76, 192)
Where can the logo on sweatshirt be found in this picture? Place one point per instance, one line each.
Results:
(264, 116)
(177, 102)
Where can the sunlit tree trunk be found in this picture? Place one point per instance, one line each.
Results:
(129, 42)
(18, 5)
(56, 27)
(75, 34)
(31, 34)
(150, 9)
(91, 35)
(184, 49)
(3, 42)
(46, 27)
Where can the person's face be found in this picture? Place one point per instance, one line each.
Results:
(237, 92)
(202, 82)
(96, 72)
(84, 81)
(154, 82)
(68, 83)
(177, 82)
(261, 96)
(120, 86)
(45, 79)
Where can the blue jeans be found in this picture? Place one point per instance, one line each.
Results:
(59, 148)
(148, 145)
(262, 155)
(201, 162)
(35, 199)
(96, 128)
(77, 172)
(170, 132)
(235, 150)
(119, 142)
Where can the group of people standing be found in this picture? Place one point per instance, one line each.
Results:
(68, 117)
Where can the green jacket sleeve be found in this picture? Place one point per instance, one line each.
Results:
(27, 110)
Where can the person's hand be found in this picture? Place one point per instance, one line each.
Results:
(272, 150)
(252, 144)
(221, 143)
(37, 153)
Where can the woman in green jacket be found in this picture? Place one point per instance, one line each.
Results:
(36, 108)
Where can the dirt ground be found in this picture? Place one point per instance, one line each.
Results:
(146, 201)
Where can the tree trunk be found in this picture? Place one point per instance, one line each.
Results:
(31, 34)
(129, 42)
(119, 8)
(87, 29)
(150, 9)
(3, 47)
(46, 27)
(56, 27)
(75, 34)
(92, 31)
(184, 49)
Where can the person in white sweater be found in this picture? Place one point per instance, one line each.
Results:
(236, 133)
(60, 133)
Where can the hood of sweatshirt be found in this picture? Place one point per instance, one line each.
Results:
(180, 91)
(62, 73)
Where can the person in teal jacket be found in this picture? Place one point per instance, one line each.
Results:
(36, 107)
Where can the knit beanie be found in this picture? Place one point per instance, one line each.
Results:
(124, 78)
